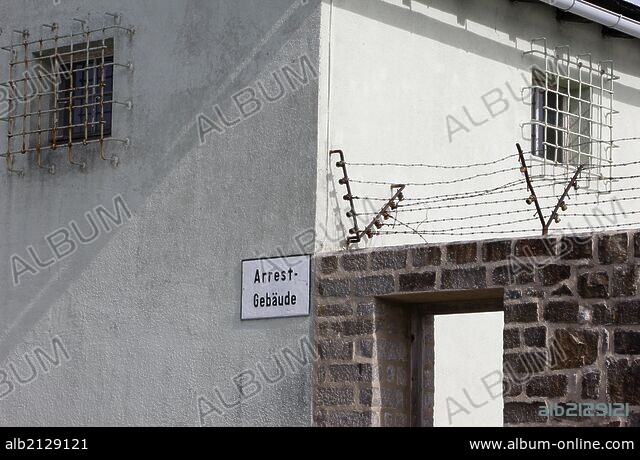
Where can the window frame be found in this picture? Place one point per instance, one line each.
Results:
(553, 118)
(84, 99)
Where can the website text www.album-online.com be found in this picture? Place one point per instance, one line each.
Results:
(574, 444)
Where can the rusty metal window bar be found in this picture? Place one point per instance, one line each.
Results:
(60, 92)
(572, 113)
(89, 95)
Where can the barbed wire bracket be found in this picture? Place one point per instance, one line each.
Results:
(533, 199)
(355, 234)
(385, 213)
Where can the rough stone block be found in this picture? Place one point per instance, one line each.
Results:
(335, 349)
(601, 314)
(333, 288)
(529, 362)
(359, 326)
(366, 396)
(627, 312)
(576, 248)
(533, 292)
(550, 386)
(366, 309)
(612, 249)
(552, 274)
(535, 336)
(373, 285)
(464, 278)
(511, 389)
(335, 310)
(591, 385)
(626, 342)
(410, 282)
(389, 260)
(538, 247)
(328, 265)
(464, 253)
(625, 281)
(354, 262)
(365, 348)
(351, 372)
(523, 412)
(349, 418)
(512, 294)
(329, 328)
(623, 381)
(573, 348)
(494, 251)
(334, 396)
(392, 398)
(521, 313)
(562, 311)
(593, 285)
(511, 338)
(511, 274)
(392, 350)
(428, 256)
(562, 291)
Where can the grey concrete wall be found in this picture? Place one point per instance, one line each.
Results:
(149, 313)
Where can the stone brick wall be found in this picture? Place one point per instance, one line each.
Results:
(572, 325)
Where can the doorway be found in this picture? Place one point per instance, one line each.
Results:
(456, 358)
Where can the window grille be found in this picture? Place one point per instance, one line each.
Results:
(571, 117)
(61, 92)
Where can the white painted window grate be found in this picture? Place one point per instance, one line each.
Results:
(571, 117)
(60, 92)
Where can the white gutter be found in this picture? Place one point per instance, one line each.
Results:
(598, 14)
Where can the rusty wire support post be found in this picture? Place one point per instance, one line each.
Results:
(13, 103)
(55, 63)
(532, 198)
(25, 95)
(554, 217)
(354, 232)
(9, 154)
(384, 213)
(561, 204)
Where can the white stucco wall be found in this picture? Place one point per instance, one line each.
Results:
(393, 72)
(396, 69)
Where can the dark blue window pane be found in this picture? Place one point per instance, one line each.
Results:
(85, 101)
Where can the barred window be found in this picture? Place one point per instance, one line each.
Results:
(561, 131)
(572, 116)
(85, 97)
(60, 94)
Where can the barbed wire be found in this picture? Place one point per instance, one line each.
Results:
(475, 193)
(444, 182)
(467, 195)
(407, 226)
(521, 211)
(493, 162)
(465, 179)
(426, 165)
(449, 232)
(425, 203)
(410, 208)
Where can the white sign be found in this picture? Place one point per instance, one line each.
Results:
(276, 288)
